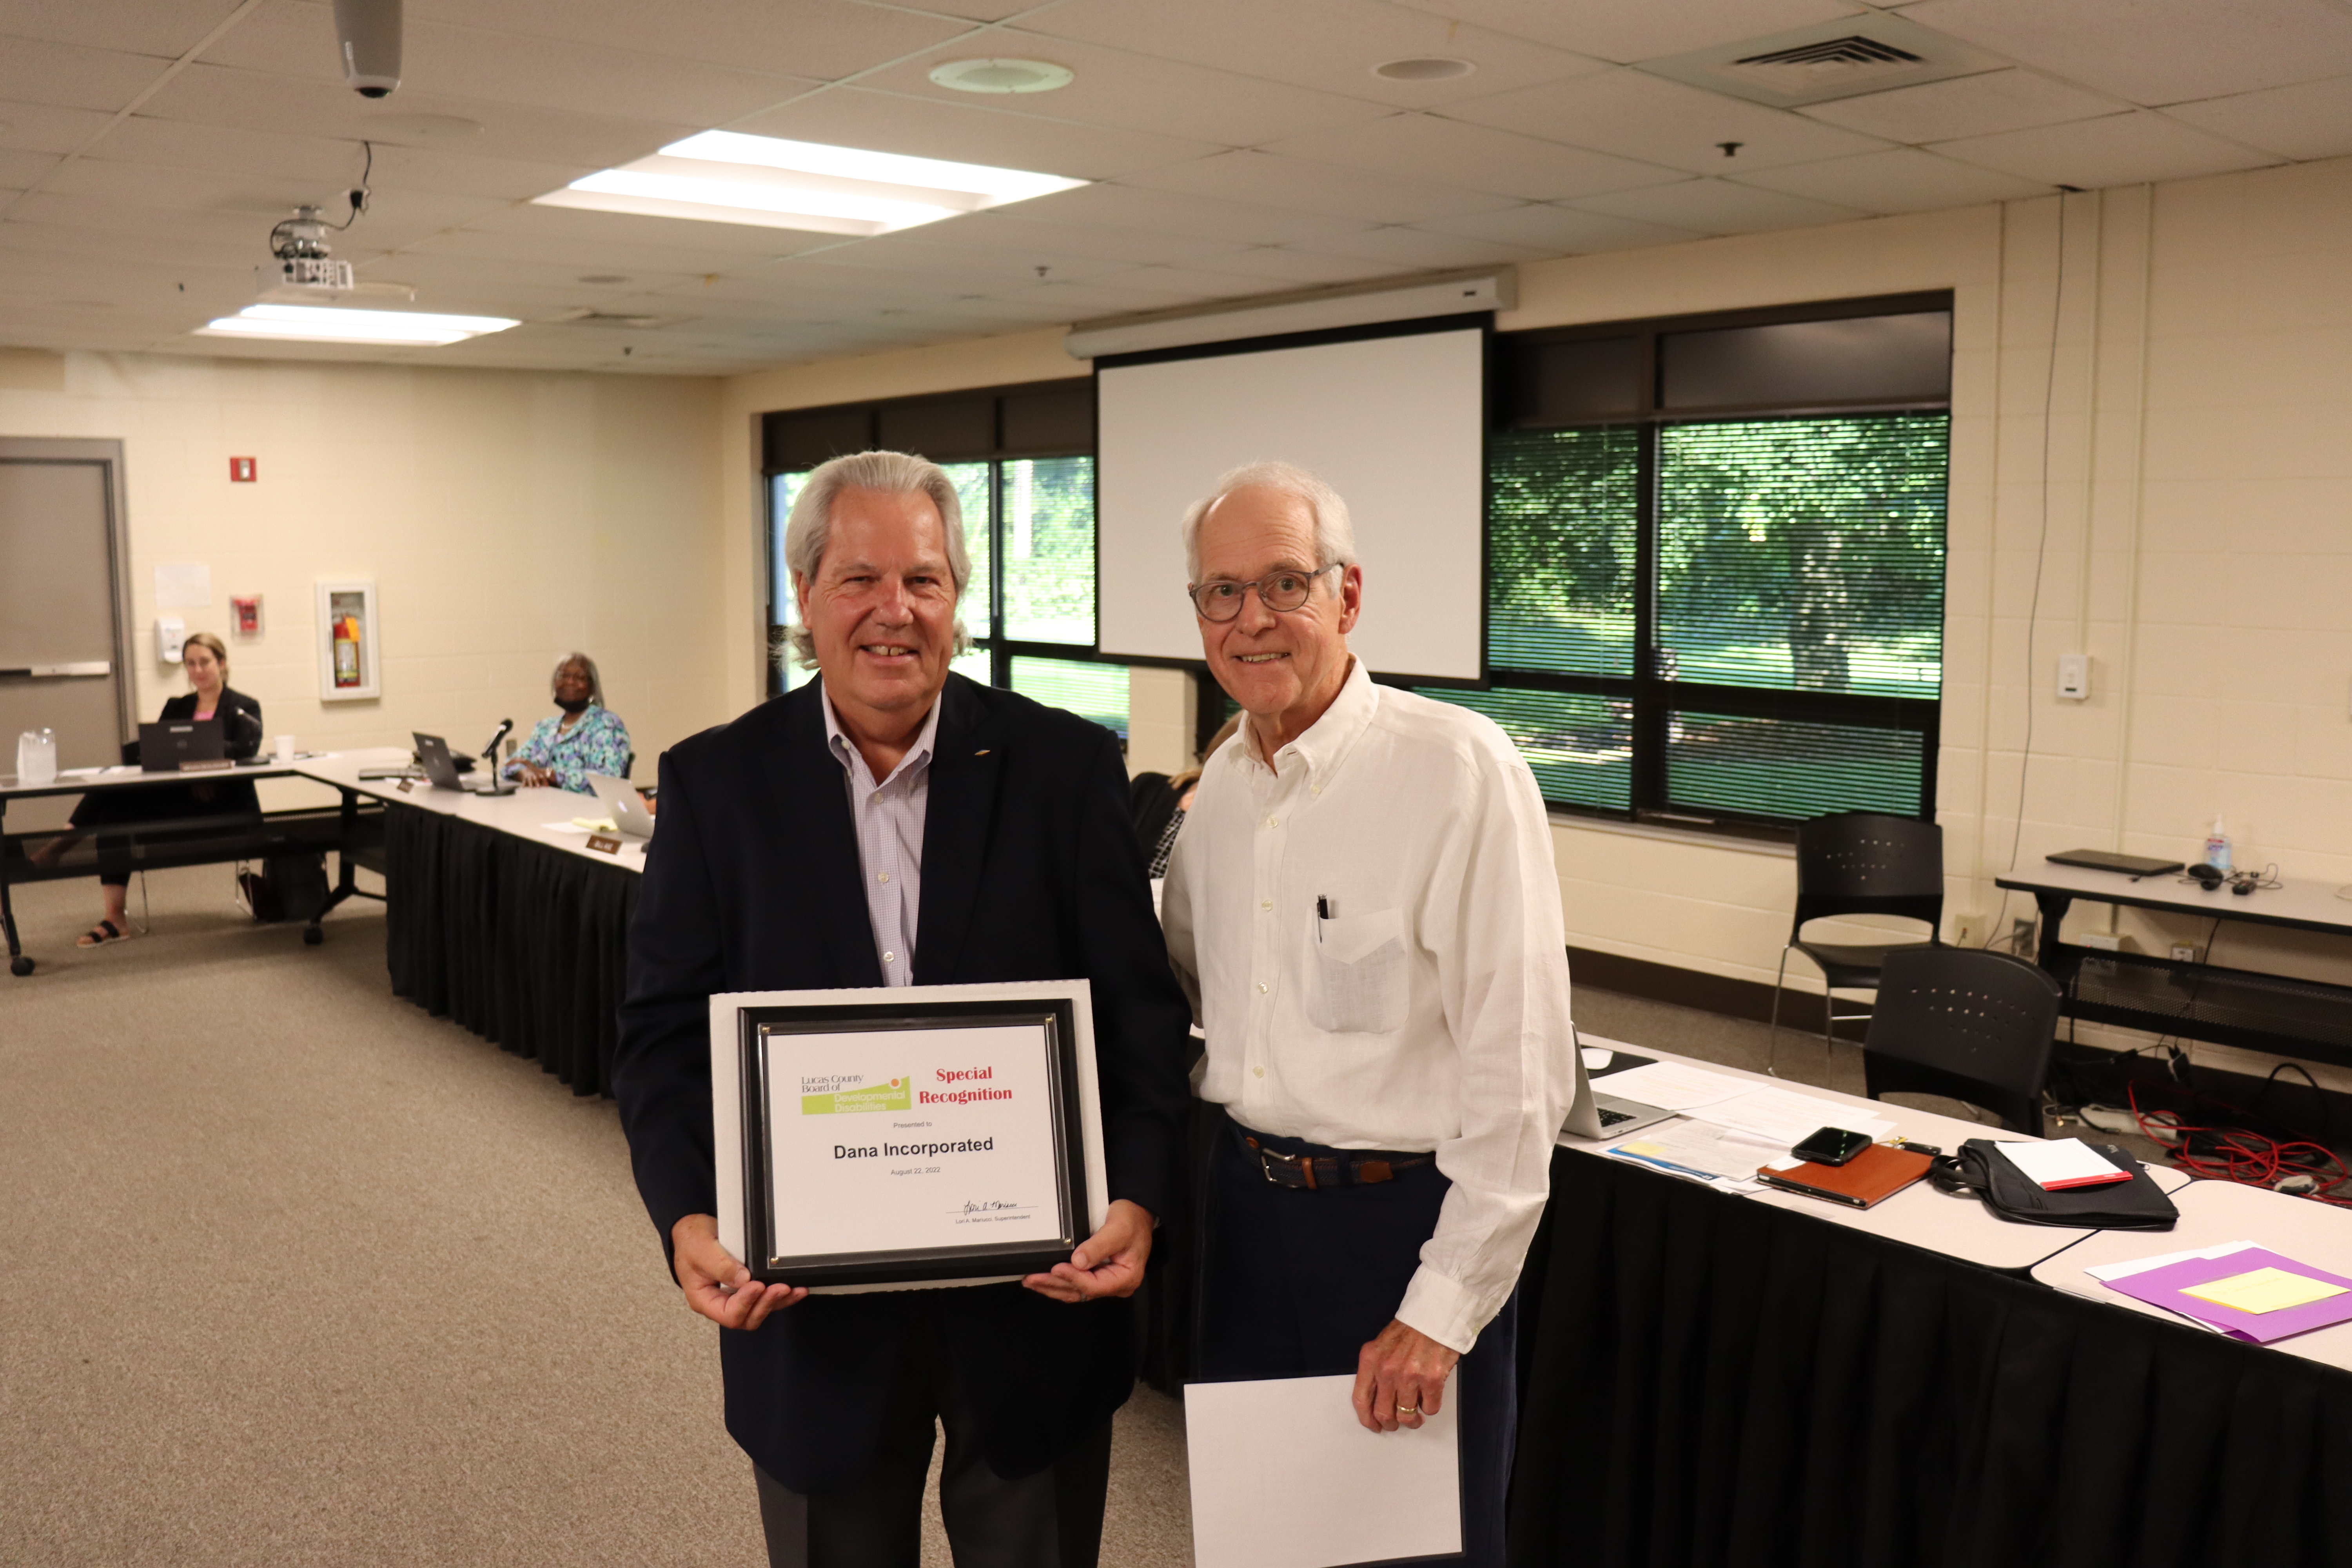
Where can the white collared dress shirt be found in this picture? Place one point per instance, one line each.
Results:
(1372, 933)
(889, 817)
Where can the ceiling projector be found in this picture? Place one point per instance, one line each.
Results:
(304, 268)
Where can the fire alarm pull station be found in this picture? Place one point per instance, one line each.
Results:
(241, 470)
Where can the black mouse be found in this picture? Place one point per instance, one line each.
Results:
(2209, 877)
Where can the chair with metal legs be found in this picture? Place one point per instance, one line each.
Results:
(1859, 863)
(1966, 1023)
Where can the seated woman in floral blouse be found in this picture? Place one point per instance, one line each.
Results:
(585, 738)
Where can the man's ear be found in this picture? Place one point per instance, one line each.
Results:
(1352, 597)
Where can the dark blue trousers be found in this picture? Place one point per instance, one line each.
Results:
(1294, 1284)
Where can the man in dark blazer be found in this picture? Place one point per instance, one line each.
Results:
(895, 824)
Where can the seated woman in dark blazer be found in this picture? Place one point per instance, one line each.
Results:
(1157, 803)
(205, 658)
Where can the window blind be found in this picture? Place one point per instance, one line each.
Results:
(1790, 768)
(1562, 536)
(1580, 748)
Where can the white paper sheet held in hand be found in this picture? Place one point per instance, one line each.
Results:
(1283, 1476)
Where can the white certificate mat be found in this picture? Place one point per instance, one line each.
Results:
(1284, 1477)
(892, 1140)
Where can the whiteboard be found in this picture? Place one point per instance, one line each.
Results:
(1395, 424)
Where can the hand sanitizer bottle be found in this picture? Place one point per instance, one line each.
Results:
(2216, 847)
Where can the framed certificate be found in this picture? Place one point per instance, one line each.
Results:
(906, 1136)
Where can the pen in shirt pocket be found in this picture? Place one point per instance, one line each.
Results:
(1322, 914)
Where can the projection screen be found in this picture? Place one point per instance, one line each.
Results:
(1394, 424)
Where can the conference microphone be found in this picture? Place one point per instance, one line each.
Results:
(491, 751)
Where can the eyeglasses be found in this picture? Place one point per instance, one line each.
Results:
(1221, 599)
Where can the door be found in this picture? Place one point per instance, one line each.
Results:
(62, 616)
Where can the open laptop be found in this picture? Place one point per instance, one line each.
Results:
(1604, 1116)
(441, 768)
(164, 746)
(624, 805)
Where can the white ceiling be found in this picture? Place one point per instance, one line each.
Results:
(1242, 148)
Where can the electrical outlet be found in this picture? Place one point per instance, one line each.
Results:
(2021, 936)
(2184, 953)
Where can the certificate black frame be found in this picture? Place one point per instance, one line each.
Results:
(757, 1027)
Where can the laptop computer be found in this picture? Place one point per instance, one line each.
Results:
(1604, 1116)
(441, 768)
(624, 805)
(2132, 866)
(164, 746)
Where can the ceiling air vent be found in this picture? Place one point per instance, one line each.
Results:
(612, 318)
(1826, 60)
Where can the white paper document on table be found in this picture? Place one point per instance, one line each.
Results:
(1723, 1155)
(1283, 1476)
(1670, 1086)
(1785, 1118)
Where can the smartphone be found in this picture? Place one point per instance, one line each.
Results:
(1831, 1145)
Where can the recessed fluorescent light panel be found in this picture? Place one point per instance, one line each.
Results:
(725, 176)
(324, 324)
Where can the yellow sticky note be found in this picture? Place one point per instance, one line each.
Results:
(1641, 1148)
(2263, 1291)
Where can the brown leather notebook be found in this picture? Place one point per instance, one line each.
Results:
(1878, 1172)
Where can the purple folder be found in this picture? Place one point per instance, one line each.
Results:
(2163, 1288)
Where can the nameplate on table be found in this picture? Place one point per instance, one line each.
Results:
(407, 786)
(209, 765)
(906, 1136)
(604, 843)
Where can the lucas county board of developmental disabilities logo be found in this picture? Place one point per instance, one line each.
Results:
(842, 1092)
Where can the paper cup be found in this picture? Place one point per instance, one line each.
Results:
(285, 748)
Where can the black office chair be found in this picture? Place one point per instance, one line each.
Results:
(1860, 863)
(1966, 1023)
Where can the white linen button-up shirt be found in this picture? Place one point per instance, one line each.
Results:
(1425, 1004)
(889, 817)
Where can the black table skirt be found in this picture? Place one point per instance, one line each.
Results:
(1720, 1383)
(523, 943)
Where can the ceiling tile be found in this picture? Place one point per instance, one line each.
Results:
(47, 127)
(74, 78)
(1077, 301)
(1903, 179)
(330, 166)
(1624, 30)
(1139, 92)
(827, 39)
(517, 236)
(1291, 269)
(1659, 121)
(2157, 51)
(1562, 231)
(56, 225)
(725, 244)
(481, 62)
(1010, 229)
(215, 95)
(166, 28)
(969, 133)
(911, 251)
(1174, 212)
(1202, 283)
(1967, 106)
(19, 169)
(1272, 180)
(2119, 149)
(1449, 152)
(1330, 45)
(1718, 206)
(1430, 251)
(2310, 120)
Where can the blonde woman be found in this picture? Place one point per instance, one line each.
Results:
(204, 657)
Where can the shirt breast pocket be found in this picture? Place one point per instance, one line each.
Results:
(1359, 975)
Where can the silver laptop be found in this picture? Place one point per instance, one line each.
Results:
(1604, 1116)
(433, 755)
(624, 805)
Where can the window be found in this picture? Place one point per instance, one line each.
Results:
(1029, 526)
(1715, 562)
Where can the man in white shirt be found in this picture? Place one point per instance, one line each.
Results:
(1363, 906)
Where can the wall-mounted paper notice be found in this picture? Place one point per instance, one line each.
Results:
(185, 585)
(1283, 1476)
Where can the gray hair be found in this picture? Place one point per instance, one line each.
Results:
(596, 681)
(1335, 535)
(810, 528)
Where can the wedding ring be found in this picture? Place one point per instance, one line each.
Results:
(1408, 1409)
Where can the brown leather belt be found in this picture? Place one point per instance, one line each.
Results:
(1312, 1173)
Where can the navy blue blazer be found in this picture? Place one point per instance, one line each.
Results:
(1030, 872)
